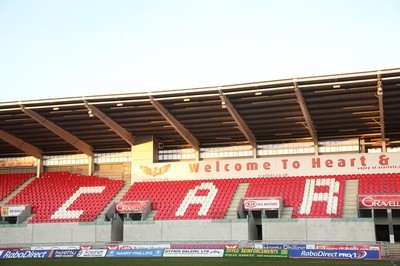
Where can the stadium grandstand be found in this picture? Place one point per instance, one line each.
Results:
(304, 160)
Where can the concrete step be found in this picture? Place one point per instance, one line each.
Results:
(350, 199)
(287, 212)
(239, 193)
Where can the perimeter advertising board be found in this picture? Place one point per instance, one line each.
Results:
(336, 254)
(255, 252)
(135, 253)
(269, 167)
(209, 253)
(92, 253)
(347, 247)
(24, 254)
(203, 246)
(66, 253)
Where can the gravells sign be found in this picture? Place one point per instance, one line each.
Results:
(379, 201)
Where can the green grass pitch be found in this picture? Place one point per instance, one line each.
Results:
(189, 262)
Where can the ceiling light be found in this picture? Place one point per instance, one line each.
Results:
(56, 108)
(186, 100)
(120, 104)
(90, 113)
(337, 86)
(258, 93)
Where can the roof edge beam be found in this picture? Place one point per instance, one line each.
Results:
(379, 94)
(239, 120)
(185, 134)
(21, 145)
(306, 114)
(120, 131)
(62, 133)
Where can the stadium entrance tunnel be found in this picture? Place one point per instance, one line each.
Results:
(387, 223)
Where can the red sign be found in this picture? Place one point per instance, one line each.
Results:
(262, 203)
(379, 201)
(203, 246)
(347, 247)
(131, 206)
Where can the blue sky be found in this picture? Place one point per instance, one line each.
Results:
(57, 48)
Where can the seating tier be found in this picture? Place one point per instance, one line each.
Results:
(200, 199)
(9, 182)
(60, 197)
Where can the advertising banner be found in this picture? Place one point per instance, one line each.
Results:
(54, 247)
(336, 254)
(255, 252)
(144, 246)
(24, 254)
(86, 247)
(12, 211)
(135, 253)
(262, 203)
(203, 246)
(347, 247)
(282, 166)
(285, 246)
(137, 206)
(92, 253)
(211, 253)
(67, 253)
(379, 201)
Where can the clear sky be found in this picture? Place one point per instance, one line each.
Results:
(62, 48)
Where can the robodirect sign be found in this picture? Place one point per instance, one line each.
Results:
(135, 253)
(336, 254)
(24, 254)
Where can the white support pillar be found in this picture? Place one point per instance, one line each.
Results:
(39, 166)
(90, 165)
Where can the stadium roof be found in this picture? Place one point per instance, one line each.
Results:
(362, 105)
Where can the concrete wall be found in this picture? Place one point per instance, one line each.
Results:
(55, 233)
(192, 230)
(321, 229)
(185, 230)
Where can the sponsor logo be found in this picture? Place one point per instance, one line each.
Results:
(155, 171)
(193, 253)
(250, 204)
(379, 201)
(64, 253)
(335, 254)
(360, 254)
(262, 203)
(18, 254)
(131, 206)
(135, 253)
(92, 253)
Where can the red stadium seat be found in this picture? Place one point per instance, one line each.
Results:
(86, 197)
(9, 182)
